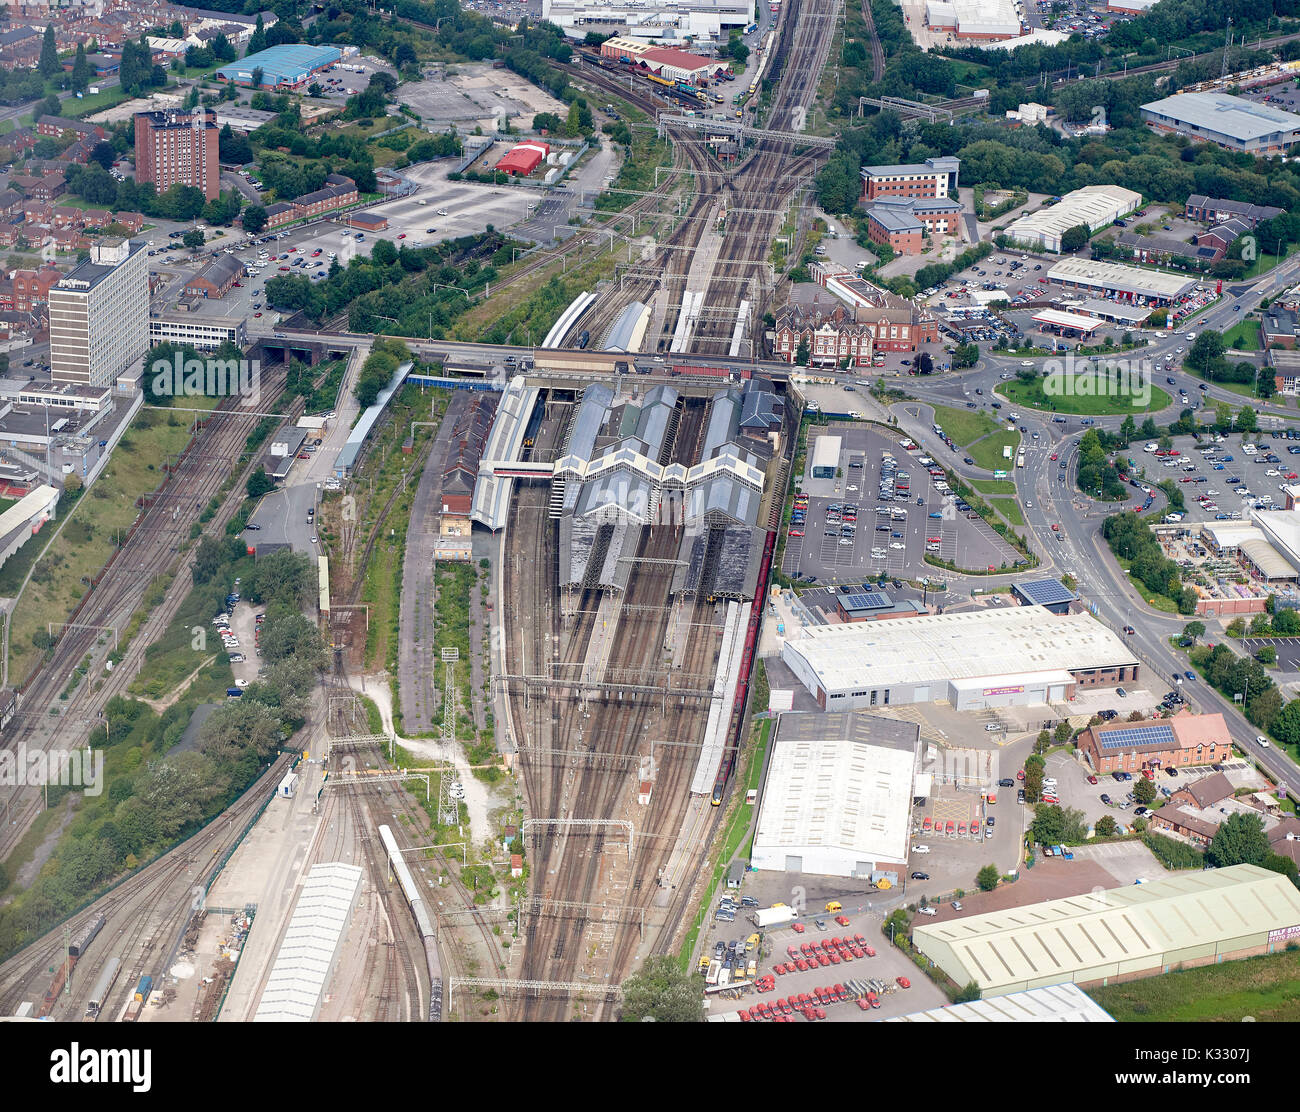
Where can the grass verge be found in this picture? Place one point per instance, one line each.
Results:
(1265, 988)
(102, 514)
(737, 825)
(1085, 404)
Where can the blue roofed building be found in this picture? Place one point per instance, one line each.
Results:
(289, 66)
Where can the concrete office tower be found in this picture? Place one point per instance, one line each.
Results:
(174, 147)
(99, 315)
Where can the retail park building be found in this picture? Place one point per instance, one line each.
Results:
(1021, 656)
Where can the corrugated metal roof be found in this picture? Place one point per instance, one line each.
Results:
(839, 781)
(357, 437)
(1051, 1004)
(940, 647)
(1133, 927)
(724, 421)
(310, 945)
(1237, 117)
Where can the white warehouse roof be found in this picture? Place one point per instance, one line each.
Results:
(296, 985)
(1093, 205)
(1137, 929)
(1053, 1003)
(838, 793)
(941, 647)
(1237, 117)
(1095, 274)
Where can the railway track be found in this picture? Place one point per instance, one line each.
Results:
(754, 193)
(567, 944)
(151, 547)
(144, 913)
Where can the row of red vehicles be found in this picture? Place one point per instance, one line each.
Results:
(831, 951)
(959, 829)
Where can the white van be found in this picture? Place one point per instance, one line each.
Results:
(1150, 448)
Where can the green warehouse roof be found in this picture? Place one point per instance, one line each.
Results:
(1140, 928)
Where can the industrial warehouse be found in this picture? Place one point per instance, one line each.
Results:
(1119, 934)
(1094, 206)
(838, 796)
(1234, 123)
(987, 658)
(288, 66)
(1128, 283)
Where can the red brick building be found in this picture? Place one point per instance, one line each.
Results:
(177, 148)
(57, 127)
(932, 178)
(1185, 739)
(830, 336)
(32, 287)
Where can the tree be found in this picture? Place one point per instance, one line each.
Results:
(1054, 823)
(51, 106)
(209, 558)
(661, 990)
(1063, 732)
(81, 71)
(1105, 826)
(1043, 742)
(987, 878)
(1286, 623)
(1144, 791)
(258, 76)
(1240, 840)
(965, 355)
(193, 239)
(256, 41)
(802, 352)
(49, 64)
(1074, 238)
(103, 153)
(259, 483)
(968, 994)
(1207, 351)
(254, 219)
(1194, 630)
(1245, 418)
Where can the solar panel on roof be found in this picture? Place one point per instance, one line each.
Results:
(1045, 592)
(868, 600)
(1137, 736)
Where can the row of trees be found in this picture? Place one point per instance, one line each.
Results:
(1131, 539)
(374, 288)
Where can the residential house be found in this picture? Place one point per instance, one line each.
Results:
(58, 126)
(32, 287)
(1214, 210)
(1157, 249)
(20, 47)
